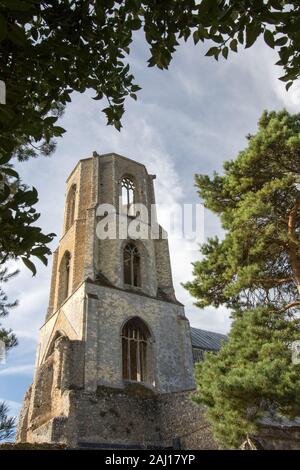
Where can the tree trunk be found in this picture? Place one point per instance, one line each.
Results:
(293, 243)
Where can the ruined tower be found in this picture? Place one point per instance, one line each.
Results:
(114, 363)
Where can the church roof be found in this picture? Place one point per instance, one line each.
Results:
(207, 340)
(279, 421)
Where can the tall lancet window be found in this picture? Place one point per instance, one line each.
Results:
(136, 351)
(64, 278)
(132, 265)
(71, 201)
(128, 190)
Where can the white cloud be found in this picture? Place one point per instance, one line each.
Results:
(13, 407)
(290, 99)
(32, 294)
(187, 120)
(26, 369)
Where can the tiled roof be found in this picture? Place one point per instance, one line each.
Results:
(279, 421)
(207, 340)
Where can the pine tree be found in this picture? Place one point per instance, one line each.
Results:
(255, 272)
(7, 336)
(252, 375)
(7, 424)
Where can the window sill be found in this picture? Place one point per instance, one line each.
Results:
(133, 288)
(139, 389)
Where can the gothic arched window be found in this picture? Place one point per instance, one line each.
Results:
(132, 265)
(136, 351)
(128, 190)
(64, 278)
(71, 201)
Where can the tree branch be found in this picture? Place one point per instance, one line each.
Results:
(290, 305)
(293, 244)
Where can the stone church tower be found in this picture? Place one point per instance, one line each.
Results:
(114, 365)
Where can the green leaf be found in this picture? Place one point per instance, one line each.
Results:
(217, 38)
(281, 41)
(269, 38)
(212, 51)
(30, 196)
(29, 264)
(135, 88)
(241, 36)
(253, 30)
(118, 125)
(99, 96)
(58, 131)
(39, 252)
(5, 159)
(288, 85)
(276, 4)
(287, 77)
(234, 45)
(135, 24)
(196, 36)
(225, 51)
(10, 172)
(50, 120)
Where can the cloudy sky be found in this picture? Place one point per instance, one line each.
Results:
(187, 120)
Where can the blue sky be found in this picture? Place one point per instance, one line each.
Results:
(187, 120)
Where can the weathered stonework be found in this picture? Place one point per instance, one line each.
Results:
(279, 438)
(79, 395)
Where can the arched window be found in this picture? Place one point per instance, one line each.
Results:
(128, 189)
(64, 278)
(132, 262)
(136, 351)
(71, 201)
